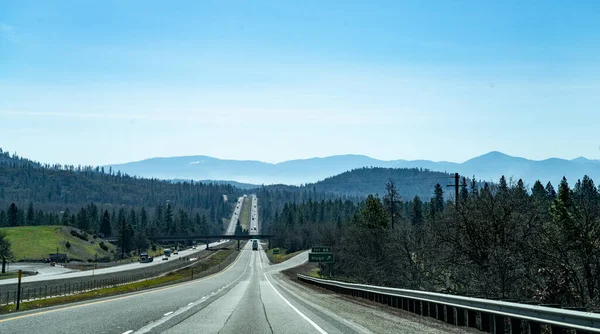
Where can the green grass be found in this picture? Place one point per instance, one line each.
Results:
(9, 275)
(245, 214)
(170, 278)
(282, 256)
(34, 243)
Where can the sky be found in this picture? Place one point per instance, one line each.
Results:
(105, 82)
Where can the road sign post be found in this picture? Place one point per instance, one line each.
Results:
(19, 289)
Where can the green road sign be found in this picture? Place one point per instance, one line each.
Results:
(276, 251)
(320, 257)
(321, 249)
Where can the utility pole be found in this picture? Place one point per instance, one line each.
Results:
(456, 187)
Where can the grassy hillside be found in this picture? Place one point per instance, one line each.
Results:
(34, 243)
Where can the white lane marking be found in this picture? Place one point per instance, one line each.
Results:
(128, 332)
(190, 304)
(317, 327)
(184, 309)
(168, 313)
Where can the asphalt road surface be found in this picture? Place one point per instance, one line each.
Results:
(51, 275)
(235, 217)
(249, 296)
(254, 216)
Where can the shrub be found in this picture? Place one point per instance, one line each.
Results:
(103, 246)
(68, 244)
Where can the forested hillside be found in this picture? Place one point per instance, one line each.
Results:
(500, 240)
(361, 182)
(114, 204)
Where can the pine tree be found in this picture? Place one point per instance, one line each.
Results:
(390, 201)
(417, 211)
(438, 198)
(551, 192)
(13, 215)
(373, 216)
(169, 223)
(464, 192)
(30, 220)
(105, 227)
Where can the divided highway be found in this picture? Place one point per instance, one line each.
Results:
(116, 269)
(249, 296)
(235, 217)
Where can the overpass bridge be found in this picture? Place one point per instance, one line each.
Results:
(207, 238)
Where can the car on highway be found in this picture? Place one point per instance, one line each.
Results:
(176, 252)
(254, 245)
(145, 258)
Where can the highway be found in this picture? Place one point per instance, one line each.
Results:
(235, 216)
(249, 296)
(52, 273)
(254, 216)
(57, 274)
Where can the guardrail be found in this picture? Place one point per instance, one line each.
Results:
(493, 316)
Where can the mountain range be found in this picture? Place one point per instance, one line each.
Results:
(487, 167)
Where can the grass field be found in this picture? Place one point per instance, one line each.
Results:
(34, 243)
(9, 275)
(282, 256)
(245, 214)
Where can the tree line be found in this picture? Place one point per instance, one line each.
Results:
(499, 240)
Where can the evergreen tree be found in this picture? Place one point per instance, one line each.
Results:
(169, 222)
(30, 220)
(417, 211)
(105, 227)
(391, 200)
(373, 216)
(550, 191)
(3, 221)
(65, 217)
(438, 198)
(464, 192)
(13, 215)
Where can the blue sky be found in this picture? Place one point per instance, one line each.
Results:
(117, 81)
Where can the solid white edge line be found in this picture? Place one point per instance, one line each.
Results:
(317, 327)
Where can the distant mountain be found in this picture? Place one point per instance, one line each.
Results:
(488, 167)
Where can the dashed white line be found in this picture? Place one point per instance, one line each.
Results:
(190, 304)
(168, 313)
(128, 332)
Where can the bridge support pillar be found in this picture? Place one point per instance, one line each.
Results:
(207, 245)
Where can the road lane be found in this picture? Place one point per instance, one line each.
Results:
(121, 268)
(235, 216)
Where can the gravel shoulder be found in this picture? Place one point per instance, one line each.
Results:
(363, 314)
